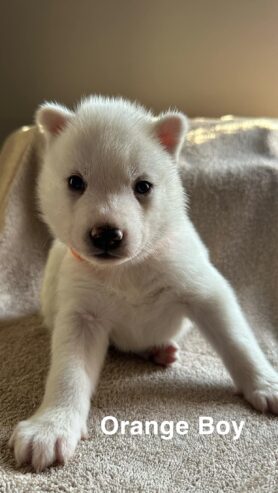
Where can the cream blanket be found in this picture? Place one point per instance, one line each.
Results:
(230, 171)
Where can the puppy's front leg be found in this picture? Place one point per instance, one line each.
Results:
(52, 433)
(215, 309)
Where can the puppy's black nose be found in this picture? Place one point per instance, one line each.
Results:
(105, 238)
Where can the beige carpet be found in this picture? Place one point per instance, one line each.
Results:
(232, 178)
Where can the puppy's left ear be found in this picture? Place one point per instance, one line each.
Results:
(170, 129)
(52, 118)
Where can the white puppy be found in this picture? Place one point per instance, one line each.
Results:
(127, 266)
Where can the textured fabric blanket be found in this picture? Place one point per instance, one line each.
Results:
(230, 170)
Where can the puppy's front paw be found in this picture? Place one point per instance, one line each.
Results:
(47, 438)
(264, 395)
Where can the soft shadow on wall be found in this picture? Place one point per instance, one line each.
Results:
(206, 58)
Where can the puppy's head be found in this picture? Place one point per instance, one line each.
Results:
(109, 187)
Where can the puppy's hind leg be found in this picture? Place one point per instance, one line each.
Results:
(167, 353)
(164, 355)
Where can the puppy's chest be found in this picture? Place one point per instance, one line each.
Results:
(143, 315)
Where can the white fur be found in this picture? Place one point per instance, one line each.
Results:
(139, 301)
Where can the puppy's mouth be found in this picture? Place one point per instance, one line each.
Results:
(106, 256)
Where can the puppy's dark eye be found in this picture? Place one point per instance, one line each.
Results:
(143, 187)
(76, 183)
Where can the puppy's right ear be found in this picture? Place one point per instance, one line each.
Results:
(52, 118)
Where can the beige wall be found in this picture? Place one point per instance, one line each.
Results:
(208, 57)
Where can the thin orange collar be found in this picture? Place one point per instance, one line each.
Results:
(76, 255)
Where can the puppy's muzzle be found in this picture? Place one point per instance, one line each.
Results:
(106, 239)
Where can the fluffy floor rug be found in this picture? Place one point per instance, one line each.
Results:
(230, 171)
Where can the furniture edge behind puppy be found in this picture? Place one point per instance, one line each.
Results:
(126, 268)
